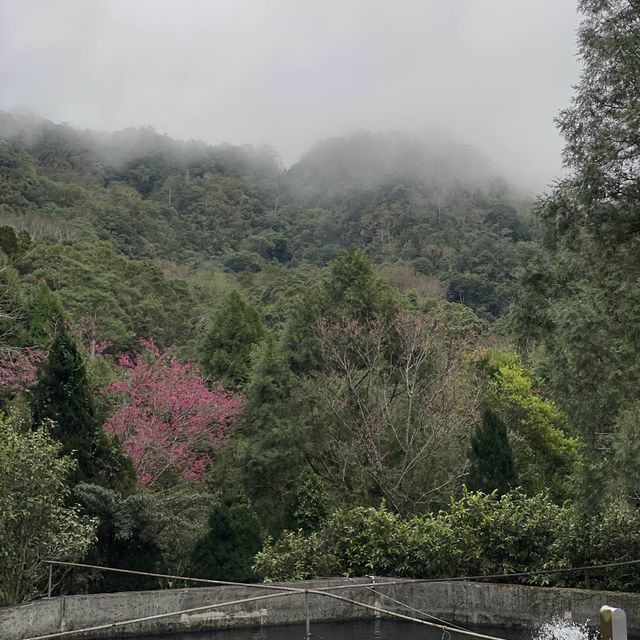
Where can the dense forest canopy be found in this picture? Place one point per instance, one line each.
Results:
(429, 204)
(381, 359)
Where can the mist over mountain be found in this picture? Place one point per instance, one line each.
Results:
(365, 160)
(428, 202)
(288, 73)
(115, 149)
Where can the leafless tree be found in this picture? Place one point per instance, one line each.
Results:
(402, 403)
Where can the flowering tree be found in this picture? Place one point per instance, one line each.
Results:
(169, 422)
(18, 369)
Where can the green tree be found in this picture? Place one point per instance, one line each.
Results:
(8, 241)
(145, 531)
(299, 342)
(35, 522)
(62, 395)
(269, 386)
(310, 503)
(600, 128)
(125, 539)
(353, 289)
(545, 456)
(268, 450)
(44, 313)
(227, 345)
(580, 299)
(491, 457)
(227, 551)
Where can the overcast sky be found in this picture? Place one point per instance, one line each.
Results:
(289, 72)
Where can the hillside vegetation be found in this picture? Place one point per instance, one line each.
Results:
(429, 205)
(380, 360)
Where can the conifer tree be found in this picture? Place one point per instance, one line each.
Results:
(269, 387)
(62, 395)
(234, 538)
(270, 454)
(8, 241)
(353, 288)
(226, 347)
(580, 294)
(491, 456)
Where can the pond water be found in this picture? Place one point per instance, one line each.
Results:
(385, 630)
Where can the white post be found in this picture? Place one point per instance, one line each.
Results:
(377, 601)
(613, 623)
(306, 616)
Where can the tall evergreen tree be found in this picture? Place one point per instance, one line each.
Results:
(269, 387)
(602, 137)
(299, 341)
(353, 288)
(234, 538)
(491, 456)
(581, 294)
(62, 395)
(226, 347)
(270, 454)
(8, 241)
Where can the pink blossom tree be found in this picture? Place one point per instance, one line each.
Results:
(169, 422)
(18, 369)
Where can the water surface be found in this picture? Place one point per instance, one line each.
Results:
(351, 630)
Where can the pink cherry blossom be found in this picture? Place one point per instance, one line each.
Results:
(18, 369)
(168, 420)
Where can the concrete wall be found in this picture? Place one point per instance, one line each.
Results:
(458, 602)
(477, 603)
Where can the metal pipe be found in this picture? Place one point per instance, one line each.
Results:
(123, 623)
(306, 616)
(171, 577)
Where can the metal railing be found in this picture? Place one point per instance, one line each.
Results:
(281, 591)
(284, 591)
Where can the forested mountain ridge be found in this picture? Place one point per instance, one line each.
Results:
(230, 369)
(181, 325)
(211, 365)
(430, 205)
